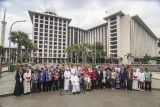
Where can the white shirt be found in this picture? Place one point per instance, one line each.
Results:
(142, 76)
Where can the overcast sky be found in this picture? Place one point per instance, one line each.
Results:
(84, 13)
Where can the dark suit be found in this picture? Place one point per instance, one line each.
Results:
(99, 78)
(123, 77)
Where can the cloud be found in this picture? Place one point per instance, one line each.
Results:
(84, 13)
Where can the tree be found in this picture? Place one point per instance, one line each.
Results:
(2, 51)
(129, 56)
(32, 47)
(19, 38)
(99, 51)
(87, 51)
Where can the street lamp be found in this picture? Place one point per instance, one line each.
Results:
(95, 49)
(10, 39)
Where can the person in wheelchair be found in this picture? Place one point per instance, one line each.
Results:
(75, 83)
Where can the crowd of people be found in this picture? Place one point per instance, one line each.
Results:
(52, 78)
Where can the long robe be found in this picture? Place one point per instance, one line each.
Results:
(19, 84)
(135, 81)
(67, 75)
(75, 83)
(27, 82)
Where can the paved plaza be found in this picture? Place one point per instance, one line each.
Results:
(96, 98)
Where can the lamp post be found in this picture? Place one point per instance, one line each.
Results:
(95, 49)
(10, 41)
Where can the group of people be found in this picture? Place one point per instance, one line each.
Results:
(48, 78)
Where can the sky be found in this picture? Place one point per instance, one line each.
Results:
(84, 13)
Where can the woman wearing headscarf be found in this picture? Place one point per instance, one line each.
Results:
(19, 83)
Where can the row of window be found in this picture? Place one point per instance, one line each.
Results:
(50, 32)
(54, 47)
(50, 40)
(51, 27)
(51, 18)
(45, 54)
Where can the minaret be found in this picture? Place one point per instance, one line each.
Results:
(2, 36)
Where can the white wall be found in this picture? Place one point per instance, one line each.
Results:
(124, 38)
(141, 41)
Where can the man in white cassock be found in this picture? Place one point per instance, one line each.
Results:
(75, 84)
(67, 76)
(26, 82)
(135, 84)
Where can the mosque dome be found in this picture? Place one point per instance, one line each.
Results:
(50, 10)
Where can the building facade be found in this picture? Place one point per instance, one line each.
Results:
(50, 33)
(120, 34)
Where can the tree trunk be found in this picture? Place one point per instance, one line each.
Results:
(19, 54)
(30, 59)
(0, 64)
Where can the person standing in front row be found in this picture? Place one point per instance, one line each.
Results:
(67, 76)
(141, 79)
(19, 83)
(148, 80)
(41, 78)
(56, 79)
(27, 82)
(123, 77)
(129, 78)
(49, 76)
(35, 81)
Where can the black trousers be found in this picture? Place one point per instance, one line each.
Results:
(108, 84)
(48, 85)
(123, 84)
(113, 83)
(34, 87)
(148, 85)
(55, 86)
(100, 85)
(61, 83)
(129, 84)
(40, 85)
(94, 85)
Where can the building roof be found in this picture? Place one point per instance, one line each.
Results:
(139, 20)
(50, 10)
(97, 26)
(120, 13)
(33, 12)
(77, 28)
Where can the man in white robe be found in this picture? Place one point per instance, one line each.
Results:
(135, 84)
(75, 84)
(67, 76)
(26, 82)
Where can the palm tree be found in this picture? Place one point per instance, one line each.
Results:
(69, 52)
(27, 44)
(129, 56)
(87, 49)
(2, 51)
(19, 38)
(32, 47)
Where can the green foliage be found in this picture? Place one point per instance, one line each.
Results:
(2, 50)
(86, 50)
(146, 58)
(22, 39)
